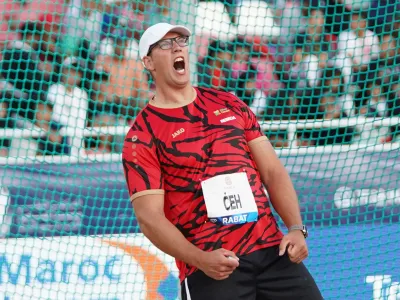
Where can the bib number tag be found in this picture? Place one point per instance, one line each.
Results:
(229, 199)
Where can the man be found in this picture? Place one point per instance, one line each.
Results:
(195, 162)
(24, 73)
(127, 85)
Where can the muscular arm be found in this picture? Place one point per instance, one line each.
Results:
(149, 210)
(277, 181)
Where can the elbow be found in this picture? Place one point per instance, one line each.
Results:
(275, 172)
(147, 221)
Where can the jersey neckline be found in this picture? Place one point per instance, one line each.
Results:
(178, 107)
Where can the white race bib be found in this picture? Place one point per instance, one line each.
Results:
(229, 199)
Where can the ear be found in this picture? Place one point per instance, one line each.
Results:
(148, 63)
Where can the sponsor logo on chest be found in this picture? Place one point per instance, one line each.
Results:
(221, 111)
(228, 119)
(178, 132)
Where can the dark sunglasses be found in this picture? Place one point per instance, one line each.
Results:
(166, 44)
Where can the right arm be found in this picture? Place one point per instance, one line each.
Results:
(146, 190)
(149, 211)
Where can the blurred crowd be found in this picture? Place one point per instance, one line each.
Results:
(79, 68)
(334, 59)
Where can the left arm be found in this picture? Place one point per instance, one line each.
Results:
(279, 186)
(277, 181)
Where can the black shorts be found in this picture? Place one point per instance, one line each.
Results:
(261, 275)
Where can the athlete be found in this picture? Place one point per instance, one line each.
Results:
(196, 163)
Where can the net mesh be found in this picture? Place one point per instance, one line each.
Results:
(322, 77)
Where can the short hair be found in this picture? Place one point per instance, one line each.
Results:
(360, 13)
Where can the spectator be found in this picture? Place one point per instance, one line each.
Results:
(22, 69)
(330, 109)
(387, 64)
(313, 49)
(156, 11)
(291, 19)
(395, 27)
(5, 122)
(393, 107)
(132, 48)
(139, 15)
(119, 94)
(322, 44)
(83, 23)
(100, 113)
(251, 56)
(248, 92)
(127, 87)
(48, 49)
(337, 14)
(240, 49)
(70, 105)
(332, 82)
(282, 106)
(214, 70)
(357, 48)
(325, 107)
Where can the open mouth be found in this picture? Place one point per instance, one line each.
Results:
(179, 65)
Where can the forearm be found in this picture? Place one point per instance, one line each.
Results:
(283, 196)
(165, 236)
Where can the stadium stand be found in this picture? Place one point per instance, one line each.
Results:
(322, 77)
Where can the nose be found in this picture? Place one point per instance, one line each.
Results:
(176, 47)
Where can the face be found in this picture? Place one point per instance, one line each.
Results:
(358, 22)
(169, 66)
(376, 91)
(334, 83)
(316, 19)
(72, 77)
(388, 47)
(119, 48)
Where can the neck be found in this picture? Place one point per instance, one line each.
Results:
(165, 96)
(360, 33)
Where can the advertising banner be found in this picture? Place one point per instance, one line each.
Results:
(131, 268)
(93, 268)
(91, 199)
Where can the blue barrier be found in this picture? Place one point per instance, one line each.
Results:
(350, 201)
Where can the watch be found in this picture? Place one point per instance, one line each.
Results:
(302, 228)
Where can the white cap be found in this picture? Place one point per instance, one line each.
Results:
(155, 33)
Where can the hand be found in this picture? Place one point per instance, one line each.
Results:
(218, 264)
(296, 246)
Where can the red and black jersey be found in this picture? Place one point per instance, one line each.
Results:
(171, 150)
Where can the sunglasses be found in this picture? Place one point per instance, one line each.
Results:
(166, 44)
